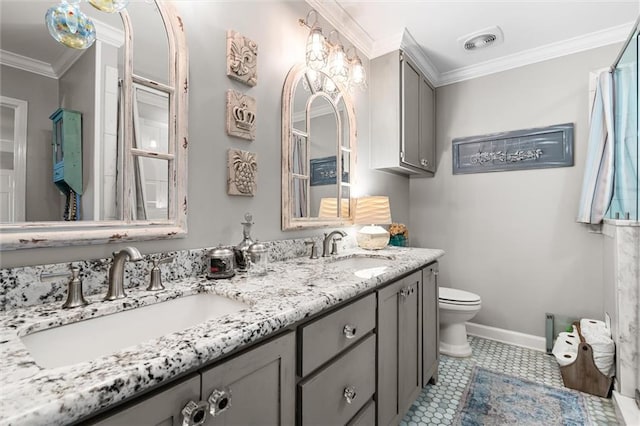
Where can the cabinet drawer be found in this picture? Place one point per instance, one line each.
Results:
(366, 416)
(323, 339)
(322, 396)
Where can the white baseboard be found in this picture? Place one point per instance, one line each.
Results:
(507, 336)
(626, 409)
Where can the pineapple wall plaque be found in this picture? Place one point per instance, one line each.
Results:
(241, 115)
(242, 169)
(242, 58)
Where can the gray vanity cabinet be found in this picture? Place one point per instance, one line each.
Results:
(402, 116)
(254, 388)
(164, 408)
(399, 347)
(430, 325)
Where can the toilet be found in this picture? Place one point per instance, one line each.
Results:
(456, 307)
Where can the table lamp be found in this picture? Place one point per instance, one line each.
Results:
(372, 211)
(329, 207)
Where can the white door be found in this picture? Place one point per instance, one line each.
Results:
(13, 159)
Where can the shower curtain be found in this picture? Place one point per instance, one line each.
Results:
(597, 184)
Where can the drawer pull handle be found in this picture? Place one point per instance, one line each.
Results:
(350, 394)
(219, 401)
(194, 413)
(349, 331)
(405, 292)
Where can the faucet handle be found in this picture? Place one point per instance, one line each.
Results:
(334, 245)
(314, 249)
(155, 282)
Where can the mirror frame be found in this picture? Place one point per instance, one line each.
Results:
(288, 93)
(54, 234)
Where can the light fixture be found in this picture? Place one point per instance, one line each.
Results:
(109, 6)
(69, 26)
(338, 62)
(317, 52)
(327, 54)
(372, 211)
(357, 73)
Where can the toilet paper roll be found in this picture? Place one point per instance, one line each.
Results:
(573, 338)
(592, 328)
(566, 358)
(563, 345)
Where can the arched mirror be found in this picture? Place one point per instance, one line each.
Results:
(105, 153)
(318, 151)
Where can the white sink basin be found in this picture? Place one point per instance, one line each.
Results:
(364, 266)
(85, 340)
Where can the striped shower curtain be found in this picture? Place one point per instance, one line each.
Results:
(597, 184)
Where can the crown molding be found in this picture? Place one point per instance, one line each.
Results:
(570, 46)
(411, 47)
(66, 61)
(25, 63)
(335, 15)
(109, 34)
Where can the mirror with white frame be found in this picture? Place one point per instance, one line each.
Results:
(318, 151)
(130, 91)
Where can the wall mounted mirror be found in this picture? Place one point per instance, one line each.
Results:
(128, 92)
(318, 151)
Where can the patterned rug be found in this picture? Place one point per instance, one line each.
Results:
(498, 399)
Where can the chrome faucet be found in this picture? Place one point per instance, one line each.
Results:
(116, 272)
(329, 238)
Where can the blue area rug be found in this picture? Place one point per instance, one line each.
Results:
(497, 399)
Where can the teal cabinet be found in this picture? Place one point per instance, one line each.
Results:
(67, 150)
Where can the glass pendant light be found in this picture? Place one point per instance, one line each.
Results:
(69, 26)
(338, 64)
(109, 6)
(357, 74)
(317, 52)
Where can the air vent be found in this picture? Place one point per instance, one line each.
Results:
(481, 39)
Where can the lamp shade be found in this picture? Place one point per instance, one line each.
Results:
(373, 210)
(329, 207)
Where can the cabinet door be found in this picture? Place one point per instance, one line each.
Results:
(430, 325)
(427, 127)
(410, 114)
(164, 408)
(254, 388)
(399, 348)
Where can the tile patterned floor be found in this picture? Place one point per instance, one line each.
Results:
(437, 404)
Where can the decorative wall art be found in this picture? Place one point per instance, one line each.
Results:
(242, 169)
(537, 148)
(241, 115)
(242, 58)
(324, 171)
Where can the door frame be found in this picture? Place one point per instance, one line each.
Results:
(20, 114)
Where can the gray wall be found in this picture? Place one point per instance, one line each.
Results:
(41, 93)
(511, 237)
(215, 217)
(77, 93)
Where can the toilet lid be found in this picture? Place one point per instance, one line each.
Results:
(453, 295)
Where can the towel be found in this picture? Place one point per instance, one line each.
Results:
(597, 184)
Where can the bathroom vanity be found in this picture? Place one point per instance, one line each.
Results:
(305, 350)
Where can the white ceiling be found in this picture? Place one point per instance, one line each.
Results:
(533, 30)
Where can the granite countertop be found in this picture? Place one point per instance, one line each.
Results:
(291, 291)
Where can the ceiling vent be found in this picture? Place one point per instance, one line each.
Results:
(491, 36)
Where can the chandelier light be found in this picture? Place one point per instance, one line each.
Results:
(357, 73)
(69, 26)
(338, 62)
(109, 6)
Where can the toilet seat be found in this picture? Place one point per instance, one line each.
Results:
(453, 296)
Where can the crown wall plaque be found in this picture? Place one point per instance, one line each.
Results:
(242, 58)
(241, 115)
